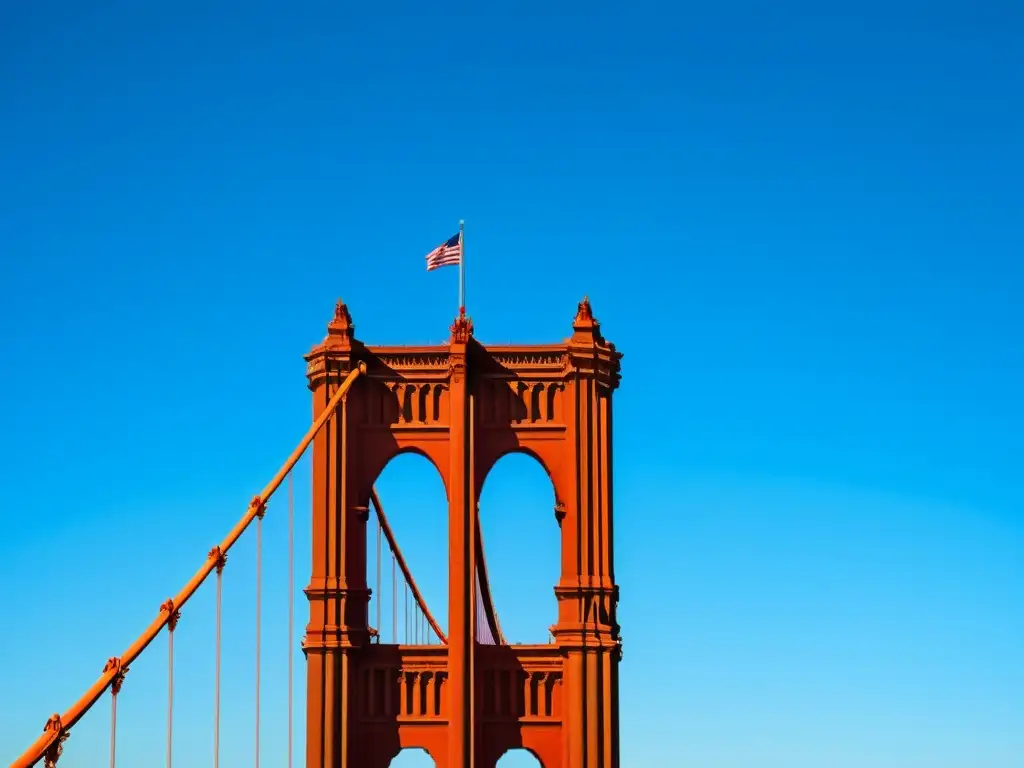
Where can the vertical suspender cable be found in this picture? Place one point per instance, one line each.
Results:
(379, 627)
(259, 569)
(113, 729)
(394, 600)
(291, 605)
(405, 611)
(170, 692)
(216, 655)
(115, 689)
(172, 622)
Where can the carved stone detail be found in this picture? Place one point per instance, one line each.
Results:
(408, 403)
(522, 402)
(462, 328)
(342, 317)
(520, 693)
(583, 311)
(529, 359)
(416, 360)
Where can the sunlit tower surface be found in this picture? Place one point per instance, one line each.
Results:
(470, 697)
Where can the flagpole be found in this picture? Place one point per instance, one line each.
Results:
(462, 265)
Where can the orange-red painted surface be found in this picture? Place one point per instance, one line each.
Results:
(464, 405)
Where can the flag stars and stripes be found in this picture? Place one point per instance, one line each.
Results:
(448, 254)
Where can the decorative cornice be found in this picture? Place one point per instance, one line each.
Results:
(600, 362)
(586, 353)
(407, 361)
(546, 359)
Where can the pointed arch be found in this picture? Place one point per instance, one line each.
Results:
(489, 462)
(516, 508)
(376, 462)
(406, 522)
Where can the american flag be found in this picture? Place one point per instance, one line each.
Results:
(446, 254)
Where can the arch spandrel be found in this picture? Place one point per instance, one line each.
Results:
(400, 406)
(522, 406)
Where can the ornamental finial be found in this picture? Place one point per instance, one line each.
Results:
(585, 327)
(341, 324)
(341, 313)
(341, 330)
(462, 328)
(583, 312)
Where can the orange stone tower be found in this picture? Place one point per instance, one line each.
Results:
(463, 406)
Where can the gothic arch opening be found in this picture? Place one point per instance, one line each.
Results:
(412, 757)
(522, 547)
(519, 758)
(415, 503)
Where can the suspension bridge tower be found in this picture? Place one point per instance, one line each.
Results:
(469, 698)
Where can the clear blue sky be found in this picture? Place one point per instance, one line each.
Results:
(802, 225)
